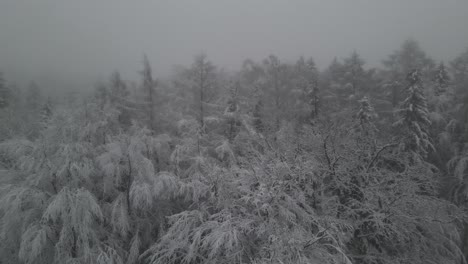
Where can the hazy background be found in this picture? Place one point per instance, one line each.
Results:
(65, 43)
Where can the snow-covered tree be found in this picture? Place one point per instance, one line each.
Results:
(149, 85)
(459, 68)
(33, 97)
(414, 117)
(119, 97)
(232, 112)
(366, 111)
(4, 93)
(306, 90)
(46, 112)
(441, 79)
(354, 74)
(203, 77)
(410, 56)
(276, 91)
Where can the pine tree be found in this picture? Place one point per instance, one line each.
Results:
(149, 88)
(414, 117)
(335, 85)
(365, 128)
(441, 79)
(46, 112)
(101, 94)
(410, 56)
(354, 73)
(257, 112)
(275, 70)
(119, 98)
(459, 68)
(231, 113)
(314, 99)
(366, 111)
(306, 82)
(203, 77)
(118, 88)
(33, 97)
(4, 93)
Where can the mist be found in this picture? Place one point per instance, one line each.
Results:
(77, 42)
(216, 131)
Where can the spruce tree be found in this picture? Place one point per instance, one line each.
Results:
(257, 112)
(119, 98)
(441, 79)
(354, 73)
(408, 57)
(34, 97)
(46, 112)
(314, 99)
(203, 77)
(414, 117)
(365, 128)
(366, 111)
(149, 87)
(4, 93)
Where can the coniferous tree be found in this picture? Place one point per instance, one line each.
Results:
(334, 82)
(258, 109)
(203, 77)
(274, 75)
(118, 88)
(441, 79)
(231, 113)
(149, 89)
(118, 98)
(354, 73)
(46, 112)
(366, 112)
(33, 97)
(459, 68)
(4, 93)
(314, 99)
(410, 56)
(101, 94)
(414, 117)
(306, 84)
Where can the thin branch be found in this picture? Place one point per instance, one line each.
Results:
(371, 163)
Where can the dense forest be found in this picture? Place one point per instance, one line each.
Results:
(276, 162)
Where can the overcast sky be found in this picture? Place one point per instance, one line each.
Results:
(77, 40)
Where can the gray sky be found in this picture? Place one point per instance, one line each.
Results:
(71, 41)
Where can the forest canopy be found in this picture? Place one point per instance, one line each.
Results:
(276, 162)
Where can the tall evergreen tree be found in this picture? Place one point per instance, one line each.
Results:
(118, 88)
(441, 79)
(46, 112)
(258, 110)
(354, 73)
(314, 99)
(366, 111)
(410, 56)
(149, 89)
(33, 97)
(414, 117)
(203, 77)
(276, 77)
(119, 98)
(459, 69)
(4, 93)
(306, 88)
(335, 95)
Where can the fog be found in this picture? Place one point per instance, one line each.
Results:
(242, 131)
(72, 43)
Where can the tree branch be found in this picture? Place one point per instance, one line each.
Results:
(371, 163)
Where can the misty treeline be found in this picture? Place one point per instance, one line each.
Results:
(274, 163)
